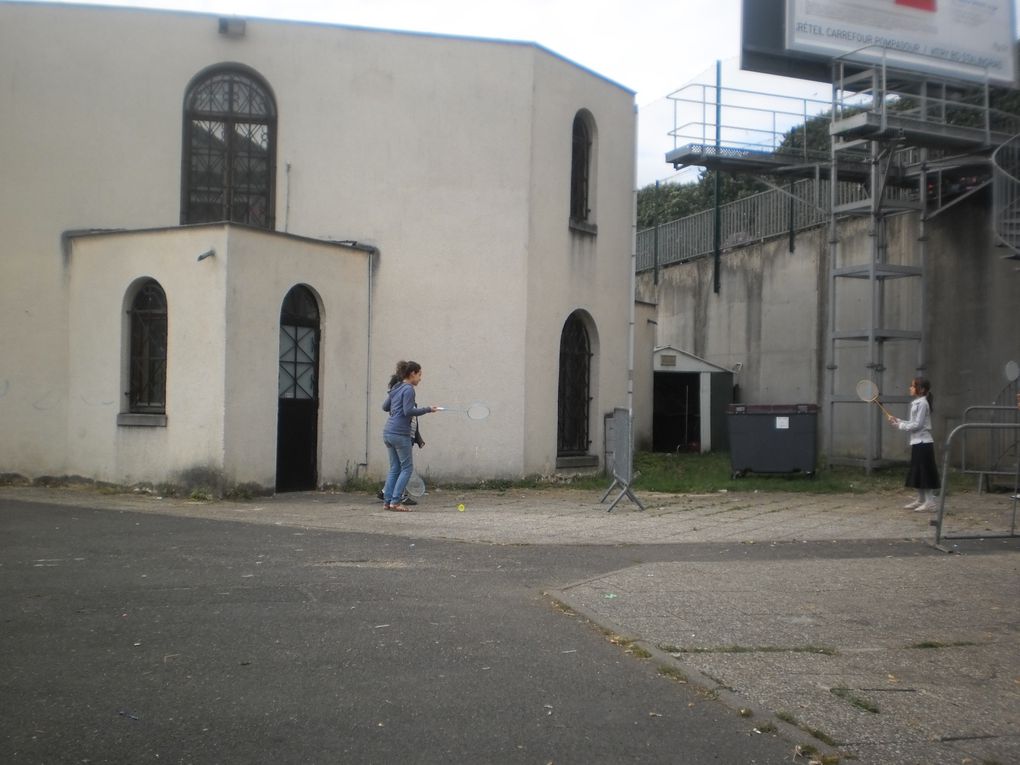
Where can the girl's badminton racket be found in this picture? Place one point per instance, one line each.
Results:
(476, 411)
(868, 391)
(416, 485)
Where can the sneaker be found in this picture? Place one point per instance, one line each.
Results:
(406, 499)
(927, 507)
(911, 505)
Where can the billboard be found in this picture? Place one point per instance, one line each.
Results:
(965, 39)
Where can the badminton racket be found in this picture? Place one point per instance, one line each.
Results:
(476, 411)
(868, 391)
(416, 485)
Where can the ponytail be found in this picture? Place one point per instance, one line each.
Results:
(404, 368)
(921, 385)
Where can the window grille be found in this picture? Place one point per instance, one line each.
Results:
(230, 147)
(147, 378)
(299, 345)
(574, 389)
(580, 170)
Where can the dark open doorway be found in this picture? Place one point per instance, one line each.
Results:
(676, 422)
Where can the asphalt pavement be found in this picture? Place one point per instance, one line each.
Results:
(830, 620)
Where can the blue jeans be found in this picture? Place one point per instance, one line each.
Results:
(401, 467)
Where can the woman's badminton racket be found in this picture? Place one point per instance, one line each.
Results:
(868, 391)
(476, 411)
(416, 485)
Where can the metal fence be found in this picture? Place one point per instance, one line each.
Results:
(753, 219)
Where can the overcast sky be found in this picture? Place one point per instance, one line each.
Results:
(652, 47)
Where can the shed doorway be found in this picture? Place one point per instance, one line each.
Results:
(298, 411)
(689, 400)
(676, 419)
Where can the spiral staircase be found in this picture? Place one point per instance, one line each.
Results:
(1006, 196)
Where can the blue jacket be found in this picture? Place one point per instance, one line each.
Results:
(401, 406)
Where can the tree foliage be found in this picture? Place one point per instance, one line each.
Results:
(668, 201)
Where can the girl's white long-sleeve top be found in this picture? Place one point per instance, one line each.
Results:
(919, 424)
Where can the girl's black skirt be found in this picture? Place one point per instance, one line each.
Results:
(923, 473)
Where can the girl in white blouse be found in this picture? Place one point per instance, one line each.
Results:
(924, 473)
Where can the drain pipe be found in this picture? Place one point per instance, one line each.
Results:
(633, 283)
(373, 252)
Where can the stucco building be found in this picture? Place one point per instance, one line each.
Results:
(221, 234)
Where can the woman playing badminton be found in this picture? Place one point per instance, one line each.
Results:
(401, 406)
(923, 474)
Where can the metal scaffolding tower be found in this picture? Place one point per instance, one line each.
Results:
(934, 137)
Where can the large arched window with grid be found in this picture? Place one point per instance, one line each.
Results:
(229, 149)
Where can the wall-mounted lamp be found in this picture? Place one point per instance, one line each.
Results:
(738, 366)
(206, 254)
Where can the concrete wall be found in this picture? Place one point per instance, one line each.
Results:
(771, 316)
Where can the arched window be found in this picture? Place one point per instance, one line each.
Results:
(581, 170)
(299, 344)
(574, 389)
(147, 364)
(229, 149)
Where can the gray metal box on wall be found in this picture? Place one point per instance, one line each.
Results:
(773, 438)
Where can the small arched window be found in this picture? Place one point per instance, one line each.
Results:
(581, 170)
(229, 149)
(147, 364)
(299, 344)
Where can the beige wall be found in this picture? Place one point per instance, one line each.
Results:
(223, 316)
(449, 155)
(569, 270)
(101, 271)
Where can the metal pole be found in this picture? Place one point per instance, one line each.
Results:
(655, 240)
(718, 144)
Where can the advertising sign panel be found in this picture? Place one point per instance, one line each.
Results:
(965, 39)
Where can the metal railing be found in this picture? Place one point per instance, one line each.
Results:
(1006, 193)
(752, 219)
(745, 120)
(939, 99)
(939, 521)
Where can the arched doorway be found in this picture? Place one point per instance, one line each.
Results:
(298, 412)
(574, 399)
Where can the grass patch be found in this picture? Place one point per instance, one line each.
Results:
(673, 674)
(858, 701)
(709, 473)
(788, 718)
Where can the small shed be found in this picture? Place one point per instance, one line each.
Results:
(690, 397)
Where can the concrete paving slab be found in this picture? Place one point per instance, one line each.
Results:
(941, 674)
